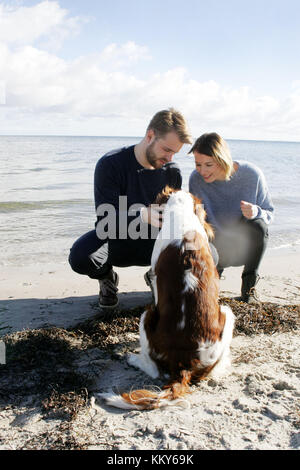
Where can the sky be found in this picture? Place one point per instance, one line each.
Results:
(99, 68)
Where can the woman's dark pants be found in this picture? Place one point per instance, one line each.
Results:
(243, 245)
(95, 258)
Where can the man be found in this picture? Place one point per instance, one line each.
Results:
(126, 183)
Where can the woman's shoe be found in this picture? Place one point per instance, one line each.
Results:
(249, 294)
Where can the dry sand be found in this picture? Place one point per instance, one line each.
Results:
(48, 386)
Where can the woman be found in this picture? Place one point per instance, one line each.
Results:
(238, 206)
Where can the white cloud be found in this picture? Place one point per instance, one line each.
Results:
(125, 55)
(26, 25)
(99, 94)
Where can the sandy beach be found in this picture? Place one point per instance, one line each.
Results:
(255, 407)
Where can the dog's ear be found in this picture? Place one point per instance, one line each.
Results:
(201, 214)
(163, 196)
(209, 230)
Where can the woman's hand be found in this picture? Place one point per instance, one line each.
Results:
(249, 210)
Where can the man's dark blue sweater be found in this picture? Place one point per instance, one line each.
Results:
(118, 173)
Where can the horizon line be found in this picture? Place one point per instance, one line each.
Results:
(134, 137)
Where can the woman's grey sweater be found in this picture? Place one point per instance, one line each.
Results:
(221, 199)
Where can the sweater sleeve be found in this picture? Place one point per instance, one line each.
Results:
(110, 201)
(264, 201)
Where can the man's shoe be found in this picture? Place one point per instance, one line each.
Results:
(149, 278)
(108, 298)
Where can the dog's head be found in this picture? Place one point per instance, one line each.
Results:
(164, 196)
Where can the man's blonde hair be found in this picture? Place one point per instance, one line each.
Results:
(216, 147)
(170, 120)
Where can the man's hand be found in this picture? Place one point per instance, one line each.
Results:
(249, 210)
(153, 215)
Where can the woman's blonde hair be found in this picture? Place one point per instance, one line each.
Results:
(216, 147)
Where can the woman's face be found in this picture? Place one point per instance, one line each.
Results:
(208, 168)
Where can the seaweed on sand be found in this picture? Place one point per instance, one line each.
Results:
(41, 364)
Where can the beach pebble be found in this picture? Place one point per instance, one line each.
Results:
(241, 404)
(282, 385)
(212, 383)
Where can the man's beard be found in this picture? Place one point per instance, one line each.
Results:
(152, 157)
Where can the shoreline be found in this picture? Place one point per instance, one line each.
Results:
(53, 295)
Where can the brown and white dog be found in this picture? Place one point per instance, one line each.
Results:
(186, 334)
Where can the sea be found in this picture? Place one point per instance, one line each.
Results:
(46, 191)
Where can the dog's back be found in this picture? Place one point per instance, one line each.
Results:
(185, 334)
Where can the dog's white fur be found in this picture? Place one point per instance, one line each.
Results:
(179, 219)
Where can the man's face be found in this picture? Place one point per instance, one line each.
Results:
(160, 150)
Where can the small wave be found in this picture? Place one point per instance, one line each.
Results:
(69, 152)
(39, 168)
(17, 206)
(286, 245)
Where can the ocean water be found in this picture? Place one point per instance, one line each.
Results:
(46, 191)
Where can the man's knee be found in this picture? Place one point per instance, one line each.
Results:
(77, 261)
(79, 257)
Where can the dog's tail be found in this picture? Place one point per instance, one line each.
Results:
(171, 394)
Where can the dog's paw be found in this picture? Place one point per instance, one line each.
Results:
(144, 363)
